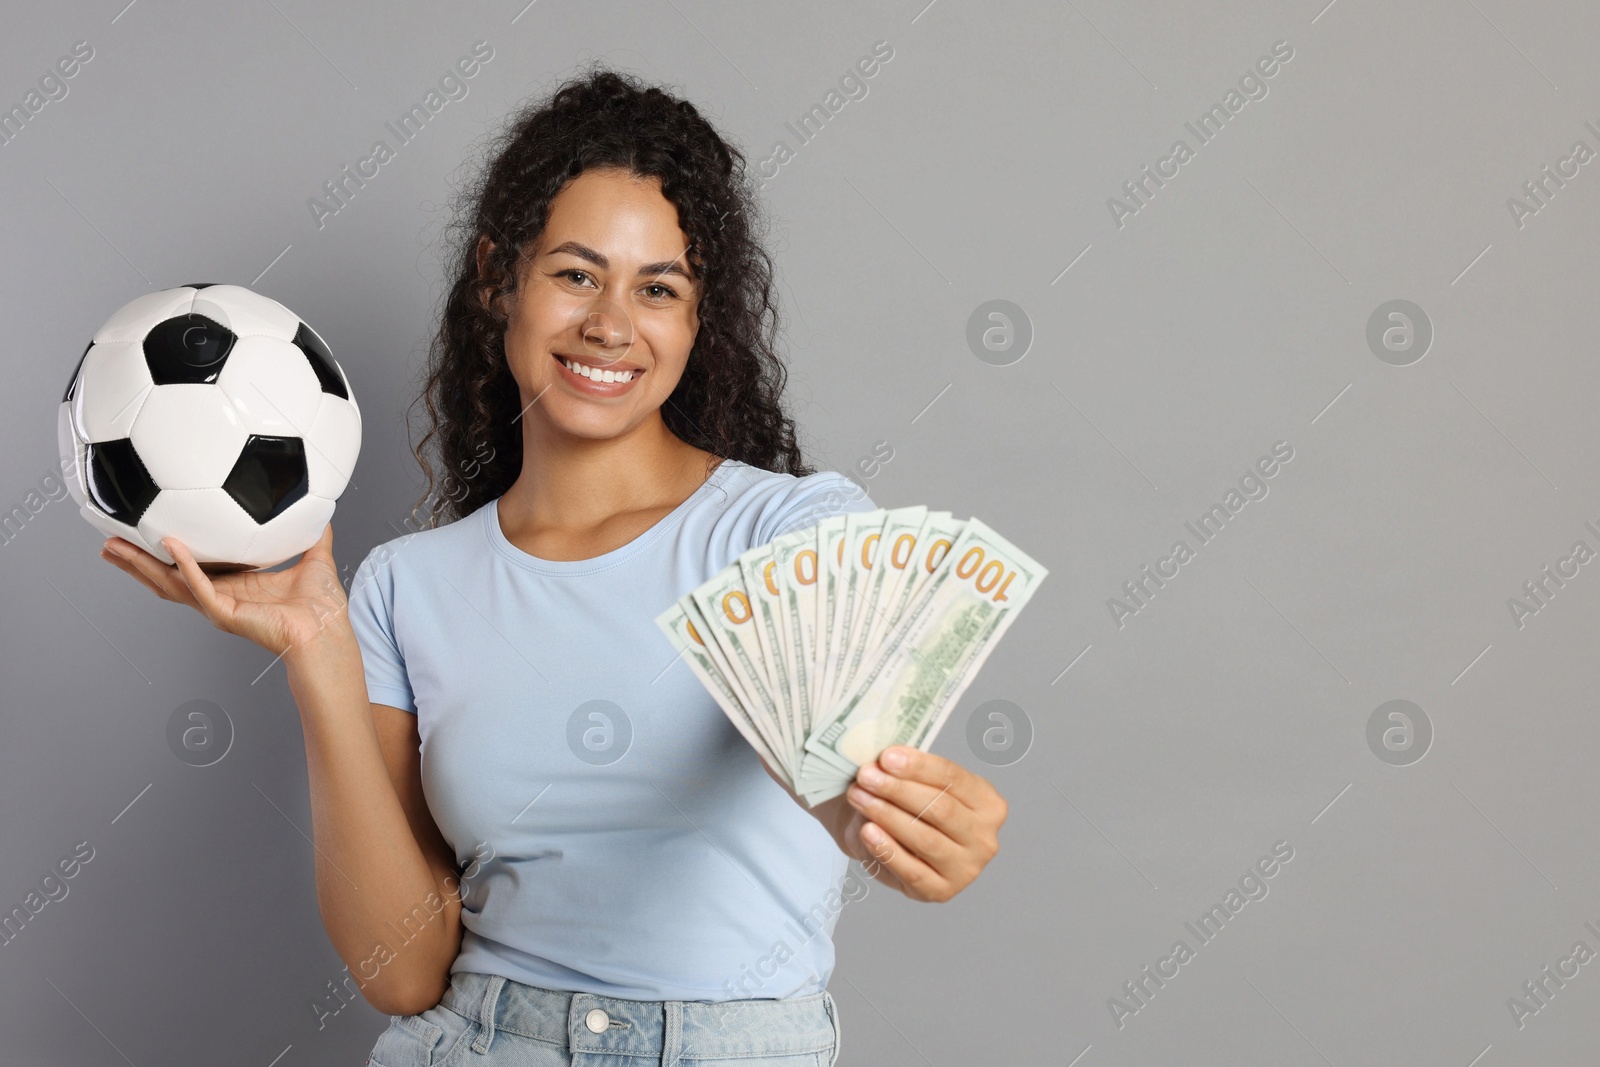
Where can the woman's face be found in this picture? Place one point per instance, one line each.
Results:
(606, 293)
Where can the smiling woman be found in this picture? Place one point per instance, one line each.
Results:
(616, 228)
(604, 366)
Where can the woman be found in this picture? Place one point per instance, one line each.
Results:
(604, 398)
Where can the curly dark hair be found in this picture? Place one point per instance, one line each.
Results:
(728, 401)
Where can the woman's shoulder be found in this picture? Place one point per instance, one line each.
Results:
(776, 502)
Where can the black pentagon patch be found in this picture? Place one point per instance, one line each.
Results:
(72, 386)
(321, 361)
(269, 475)
(119, 485)
(198, 285)
(187, 350)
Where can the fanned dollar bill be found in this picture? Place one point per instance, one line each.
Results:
(885, 551)
(757, 567)
(795, 557)
(832, 643)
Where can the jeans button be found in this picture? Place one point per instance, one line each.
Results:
(597, 1021)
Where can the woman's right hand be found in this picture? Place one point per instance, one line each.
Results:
(278, 610)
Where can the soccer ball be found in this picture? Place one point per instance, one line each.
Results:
(212, 414)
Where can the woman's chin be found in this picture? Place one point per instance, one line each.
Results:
(582, 420)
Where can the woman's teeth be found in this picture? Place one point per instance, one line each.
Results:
(595, 373)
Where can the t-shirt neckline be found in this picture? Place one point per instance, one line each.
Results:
(490, 514)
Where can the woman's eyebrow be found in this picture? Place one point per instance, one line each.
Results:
(583, 251)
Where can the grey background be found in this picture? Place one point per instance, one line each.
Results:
(1228, 314)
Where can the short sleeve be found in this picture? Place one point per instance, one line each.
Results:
(810, 500)
(372, 618)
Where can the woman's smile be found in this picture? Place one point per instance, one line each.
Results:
(592, 377)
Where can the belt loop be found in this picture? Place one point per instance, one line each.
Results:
(672, 1038)
(491, 994)
(833, 1017)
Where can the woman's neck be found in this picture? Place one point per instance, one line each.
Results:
(574, 485)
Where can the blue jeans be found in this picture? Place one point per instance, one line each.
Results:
(491, 1021)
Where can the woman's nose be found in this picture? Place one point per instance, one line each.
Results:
(606, 325)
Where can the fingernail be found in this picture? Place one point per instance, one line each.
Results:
(870, 775)
(872, 835)
(858, 797)
(894, 758)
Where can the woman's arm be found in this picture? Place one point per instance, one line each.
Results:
(919, 823)
(381, 864)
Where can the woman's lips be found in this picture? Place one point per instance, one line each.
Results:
(592, 386)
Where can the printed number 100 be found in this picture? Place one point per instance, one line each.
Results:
(989, 575)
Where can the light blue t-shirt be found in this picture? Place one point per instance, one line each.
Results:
(680, 871)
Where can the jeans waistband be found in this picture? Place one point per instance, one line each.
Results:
(670, 1031)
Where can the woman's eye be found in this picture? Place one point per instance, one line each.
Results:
(665, 291)
(574, 271)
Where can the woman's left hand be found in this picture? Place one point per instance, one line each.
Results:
(921, 823)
